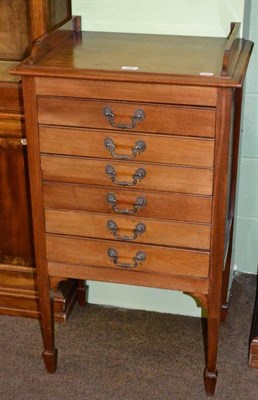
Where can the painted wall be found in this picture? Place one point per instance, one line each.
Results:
(182, 17)
(246, 232)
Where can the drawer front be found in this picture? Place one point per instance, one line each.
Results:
(12, 125)
(117, 255)
(162, 205)
(118, 173)
(143, 147)
(90, 89)
(167, 119)
(139, 230)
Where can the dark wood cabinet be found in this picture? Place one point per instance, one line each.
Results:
(253, 345)
(133, 147)
(18, 287)
(23, 21)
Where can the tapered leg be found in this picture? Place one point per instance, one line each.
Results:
(210, 372)
(49, 353)
(46, 309)
(50, 360)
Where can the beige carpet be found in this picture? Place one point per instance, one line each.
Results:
(117, 354)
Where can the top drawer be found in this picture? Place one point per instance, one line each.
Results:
(127, 91)
(154, 118)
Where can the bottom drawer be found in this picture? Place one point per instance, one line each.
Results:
(137, 257)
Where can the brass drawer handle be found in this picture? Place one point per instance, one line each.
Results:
(137, 231)
(138, 259)
(139, 174)
(138, 116)
(140, 202)
(138, 147)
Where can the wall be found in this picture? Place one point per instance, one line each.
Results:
(182, 17)
(246, 232)
(185, 17)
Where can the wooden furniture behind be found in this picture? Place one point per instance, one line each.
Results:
(23, 21)
(20, 23)
(253, 348)
(132, 143)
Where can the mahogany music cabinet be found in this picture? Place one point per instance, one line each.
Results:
(133, 146)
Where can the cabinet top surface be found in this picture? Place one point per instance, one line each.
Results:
(146, 53)
(84, 54)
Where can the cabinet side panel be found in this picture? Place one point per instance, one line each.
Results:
(220, 190)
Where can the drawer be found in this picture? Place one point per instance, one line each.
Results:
(121, 173)
(162, 205)
(12, 125)
(143, 147)
(140, 230)
(160, 93)
(105, 254)
(169, 119)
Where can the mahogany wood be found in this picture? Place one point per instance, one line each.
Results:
(159, 259)
(220, 188)
(168, 233)
(162, 149)
(234, 149)
(165, 205)
(194, 95)
(70, 185)
(159, 119)
(45, 301)
(158, 177)
(177, 282)
(235, 27)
